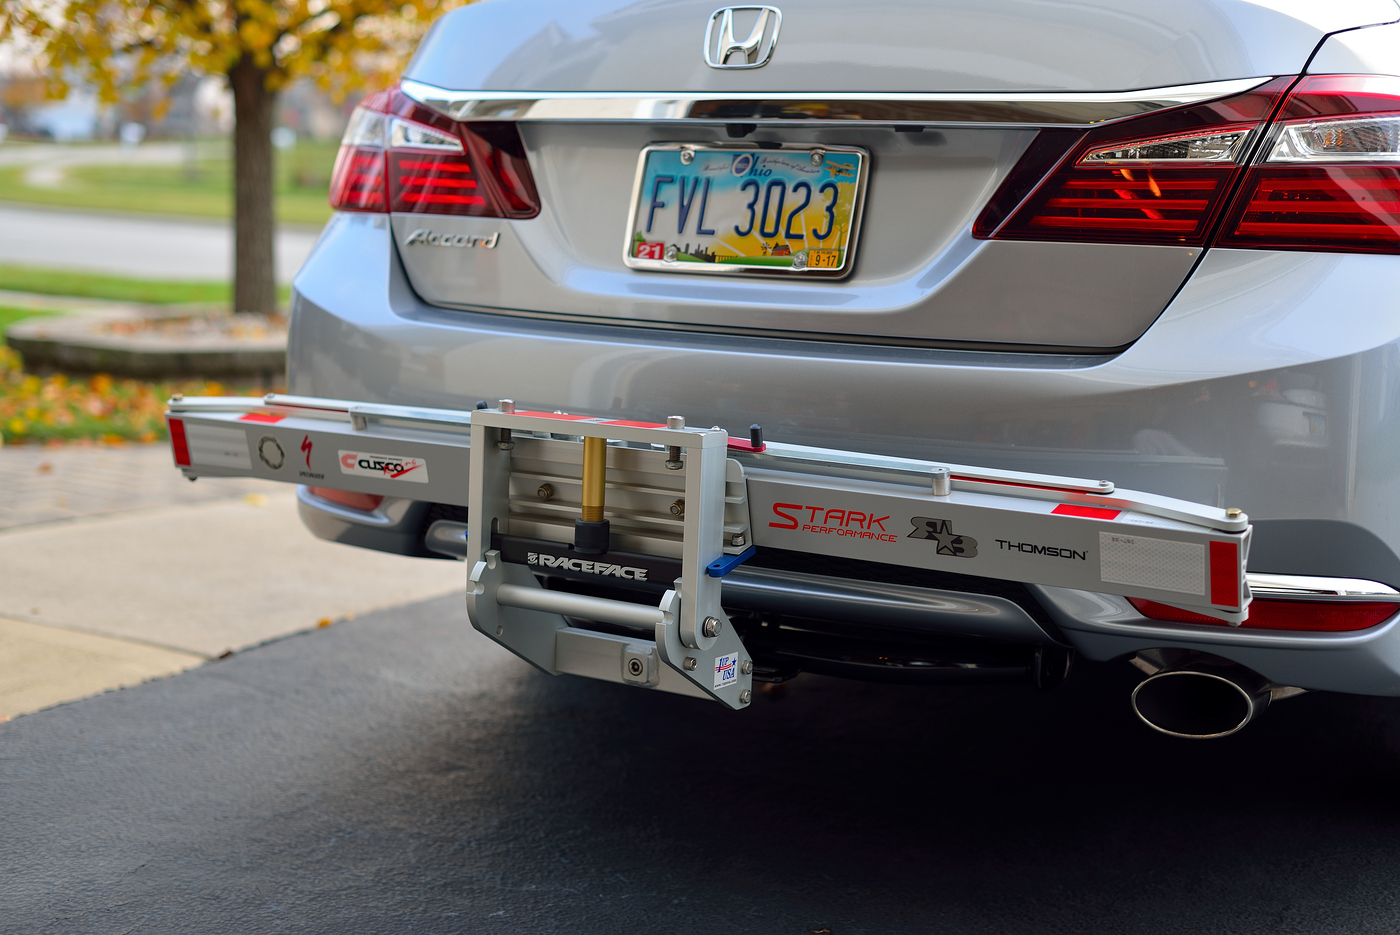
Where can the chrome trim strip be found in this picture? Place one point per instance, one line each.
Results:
(1316, 588)
(1027, 109)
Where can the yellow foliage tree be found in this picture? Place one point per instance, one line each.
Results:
(260, 45)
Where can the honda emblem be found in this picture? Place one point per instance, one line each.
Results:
(753, 52)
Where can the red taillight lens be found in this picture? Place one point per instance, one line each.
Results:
(355, 501)
(357, 182)
(1159, 179)
(400, 156)
(1329, 179)
(1265, 614)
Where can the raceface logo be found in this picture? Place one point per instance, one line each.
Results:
(606, 569)
(424, 237)
(753, 52)
(941, 532)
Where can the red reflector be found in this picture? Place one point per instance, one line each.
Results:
(1265, 614)
(355, 501)
(743, 444)
(1088, 512)
(178, 443)
(268, 417)
(1225, 574)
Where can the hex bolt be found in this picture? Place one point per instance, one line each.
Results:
(545, 492)
(506, 443)
(817, 157)
(635, 667)
(711, 627)
(738, 539)
(1234, 512)
(671, 253)
(745, 696)
(746, 667)
(673, 452)
(690, 663)
(687, 156)
(942, 482)
(678, 508)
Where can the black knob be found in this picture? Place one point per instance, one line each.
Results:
(756, 437)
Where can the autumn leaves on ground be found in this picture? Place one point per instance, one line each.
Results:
(52, 408)
(59, 407)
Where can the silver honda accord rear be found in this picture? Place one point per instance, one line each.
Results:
(1156, 243)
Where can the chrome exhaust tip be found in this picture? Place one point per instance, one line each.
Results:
(1202, 699)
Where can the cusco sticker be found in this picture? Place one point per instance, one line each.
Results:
(726, 670)
(392, 467)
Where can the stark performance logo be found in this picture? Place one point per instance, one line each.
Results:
(832, 522)
(605, 569)
(941, 532)
(392, 467)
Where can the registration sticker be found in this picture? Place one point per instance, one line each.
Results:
(726, 670)
(390, 467)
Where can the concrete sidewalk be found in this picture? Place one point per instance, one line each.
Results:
(114, 569)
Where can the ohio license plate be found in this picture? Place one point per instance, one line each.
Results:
(737, 209)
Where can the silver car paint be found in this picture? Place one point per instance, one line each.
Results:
(896, 45)
(1270, 383)
(1359, 51)
(919, 273)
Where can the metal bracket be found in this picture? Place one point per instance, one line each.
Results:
(696, 648)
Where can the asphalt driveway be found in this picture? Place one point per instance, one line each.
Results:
(399, 773)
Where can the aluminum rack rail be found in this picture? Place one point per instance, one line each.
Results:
(616, 501)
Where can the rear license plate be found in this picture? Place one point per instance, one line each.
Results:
(733, 209)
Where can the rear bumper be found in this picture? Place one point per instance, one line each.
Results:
(1099, 626)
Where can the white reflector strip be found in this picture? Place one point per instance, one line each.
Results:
(1153, 563)
(218, 447)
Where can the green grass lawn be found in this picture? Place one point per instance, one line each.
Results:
(9, 315)
(202, 187)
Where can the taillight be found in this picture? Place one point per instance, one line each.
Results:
(1265, 614)
(1329, 173)
(1159, 179)
(399, 156)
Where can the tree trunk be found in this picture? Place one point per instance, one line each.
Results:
(254, 279)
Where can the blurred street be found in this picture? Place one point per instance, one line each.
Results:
(141, 247)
